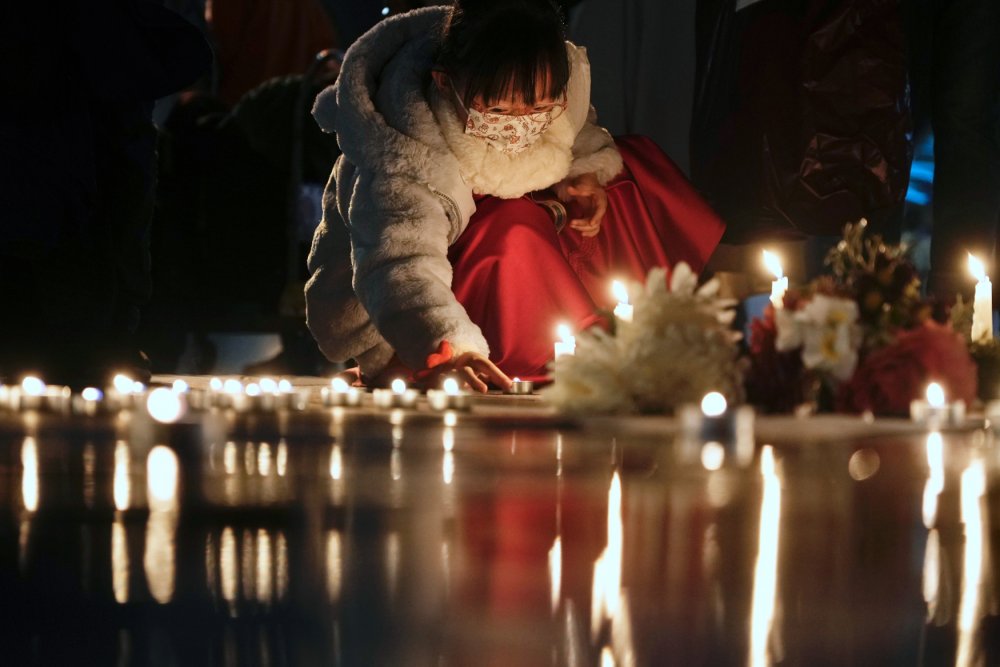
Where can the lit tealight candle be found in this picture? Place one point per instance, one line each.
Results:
(566, 345)
(88, 402)
(713, 404)
(399, 396)
(982, 305)
(935, 410)
(780, 285)
(712, 433)
(30, 395)
(340, 393)
(521, 387)
(449, 397)
(624, 310)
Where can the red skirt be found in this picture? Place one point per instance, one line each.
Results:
(518, 278)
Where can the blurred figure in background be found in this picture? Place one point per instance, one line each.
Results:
(78, 176)
(955, 67)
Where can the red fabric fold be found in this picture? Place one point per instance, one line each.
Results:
(518, 278)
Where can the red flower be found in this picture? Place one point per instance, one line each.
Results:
(890, 377)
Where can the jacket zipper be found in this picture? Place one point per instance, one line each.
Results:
(445, 199)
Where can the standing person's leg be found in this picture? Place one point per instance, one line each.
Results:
(965, 90)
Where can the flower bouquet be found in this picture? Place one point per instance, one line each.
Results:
(679, 346)
(859, 339)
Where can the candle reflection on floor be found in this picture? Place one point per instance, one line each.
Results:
(766, 570)
(159, 558)
(973, 490)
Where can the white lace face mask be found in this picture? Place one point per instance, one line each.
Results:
(506, 133)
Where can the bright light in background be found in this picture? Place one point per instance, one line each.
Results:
(385, 11)
(714, 404)
(339, 385)
(92, 394)
(285, 387)
(398, 386)
(232, 386)
(159, 558)
(450, 386)
(215, 384)
(268, 386)
(165, 405)
(180, 386)
(564, 332)
(253, 389)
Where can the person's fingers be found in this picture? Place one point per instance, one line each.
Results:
(489, 371)
(473, 380)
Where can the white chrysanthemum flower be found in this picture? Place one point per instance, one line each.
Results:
(678, 347)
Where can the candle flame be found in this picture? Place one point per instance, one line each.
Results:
(398, 386)
(450, 386)
(619, 291)
(714, 404)
(92, 394)
(339, 385)
(773, 264)
(977, 268)
(935, 395)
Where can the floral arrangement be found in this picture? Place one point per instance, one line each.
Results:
(679, 346)
(861, 338)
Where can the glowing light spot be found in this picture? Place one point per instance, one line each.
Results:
(398, 386)
(773, 264)
(92, 394)
(713, 455)
(339, 385)
(161, 477)
(165, 406)
(123, 384)
(935, 395)
(714, 404)
(450, 386)
(863, 464)
(32, 386)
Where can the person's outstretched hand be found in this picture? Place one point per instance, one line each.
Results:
(590, 201)
(470, 368)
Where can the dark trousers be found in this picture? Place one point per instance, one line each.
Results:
(955, 66)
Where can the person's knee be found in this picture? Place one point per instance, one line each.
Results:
(520, 225)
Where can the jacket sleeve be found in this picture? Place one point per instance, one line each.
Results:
(594, 149)
(400, 232)
(334, 315)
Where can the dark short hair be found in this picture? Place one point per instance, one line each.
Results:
(497, 47)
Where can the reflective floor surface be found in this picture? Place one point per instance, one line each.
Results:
(499, 537)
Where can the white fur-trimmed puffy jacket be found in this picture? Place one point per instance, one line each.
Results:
(402, 193)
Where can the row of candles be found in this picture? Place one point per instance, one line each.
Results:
(168, 404)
